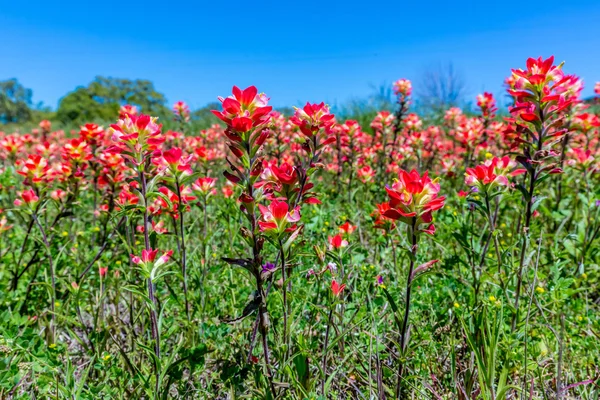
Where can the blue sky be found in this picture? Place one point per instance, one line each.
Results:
(293, 51)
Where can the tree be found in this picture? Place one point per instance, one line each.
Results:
(203, 118)
(102, 98)
(440, 88)
(15, 102)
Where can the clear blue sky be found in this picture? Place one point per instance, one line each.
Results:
(295, 51)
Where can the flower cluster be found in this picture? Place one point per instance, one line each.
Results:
(412, 199)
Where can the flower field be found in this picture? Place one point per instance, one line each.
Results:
(308, 256)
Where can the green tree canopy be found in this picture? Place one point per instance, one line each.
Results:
(15, 102)
(102, 98)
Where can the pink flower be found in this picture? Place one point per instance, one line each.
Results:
(245, 110)
(402, 87)
(312, 118)
(175, 161)
(181, 111)
(204, 185)
(346, 228)
(28, 197)
(149, 258)
(336, 288)
(128, 109)
(337, 242)
(135, 134)
(277, 217)
(487, 104)
(492, 173)
(414, 196)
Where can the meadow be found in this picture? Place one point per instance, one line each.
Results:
(308, 256)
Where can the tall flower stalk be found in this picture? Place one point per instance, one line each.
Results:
(246, 115)
(136, 138)
(539, 125)
(412, 200)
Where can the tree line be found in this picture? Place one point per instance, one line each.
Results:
(99, 101)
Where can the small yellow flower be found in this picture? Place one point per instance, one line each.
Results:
(584, 276)
(372, 266)
(118, 262)
(137, 242)
(65, 234)
(324, 230)
(492, 298)
(579, 318)
(382, 286)
(540, 289)
(476, 197)
(489, 155)
(455, 213)
(326, 223)
(96, 229)
(53, 346)
(509, 234)
(456, 305)
(106, 357)
(214, 255)
(503, 225)
(57, 304)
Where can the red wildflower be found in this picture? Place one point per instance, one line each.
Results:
(312, 118)
(245, 110)
(336, 288)
(413, 198)
(277, 217)
(337, 242)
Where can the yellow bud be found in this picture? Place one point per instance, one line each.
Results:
(579, 318)
(326, 223)
(118, 262)
(540, 289)
(584, 276)
(489, 155)
(57, 304)
(492, 298)
(65, 234)
(456, 305)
